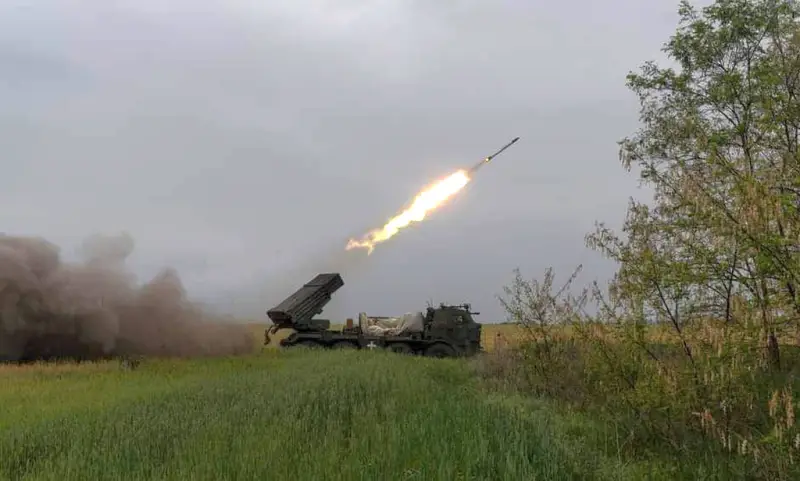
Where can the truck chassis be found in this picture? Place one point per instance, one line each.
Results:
(448, 331)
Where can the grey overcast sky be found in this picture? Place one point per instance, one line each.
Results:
(240, 141)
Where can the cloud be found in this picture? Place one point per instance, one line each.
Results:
(233, 139)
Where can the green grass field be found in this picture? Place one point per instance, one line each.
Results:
(295, 416)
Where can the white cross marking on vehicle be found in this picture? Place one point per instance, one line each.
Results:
(371, 345)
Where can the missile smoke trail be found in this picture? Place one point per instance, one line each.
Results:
(427, 201)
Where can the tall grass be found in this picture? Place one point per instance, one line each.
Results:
(706, 390)
(295, 416)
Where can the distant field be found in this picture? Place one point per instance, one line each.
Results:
(290, 416)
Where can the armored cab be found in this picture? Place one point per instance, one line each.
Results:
(455, 325)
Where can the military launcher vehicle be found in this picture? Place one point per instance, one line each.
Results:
(444, 331)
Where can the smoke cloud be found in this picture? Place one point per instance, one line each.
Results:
(94, 308)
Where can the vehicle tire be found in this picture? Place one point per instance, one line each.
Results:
(440, 350)
(309, 345)
(344, 345)
(401, 348)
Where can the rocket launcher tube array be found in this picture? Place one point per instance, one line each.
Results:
(307, 301)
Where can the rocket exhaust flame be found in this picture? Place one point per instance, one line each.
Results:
(424, 203)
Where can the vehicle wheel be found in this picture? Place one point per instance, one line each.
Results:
(440, 350)
(309, 345)
(401, 348)
(344, 345)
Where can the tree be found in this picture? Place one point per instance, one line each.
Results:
(719, 145)
(714, 256)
